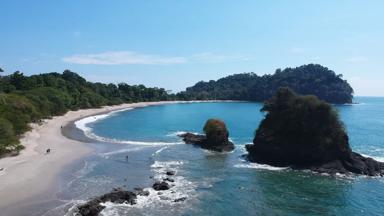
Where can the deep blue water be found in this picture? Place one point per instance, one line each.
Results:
(223, 184)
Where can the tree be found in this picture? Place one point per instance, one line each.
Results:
(8, 139)
(18, 80)
(299, 130)
(216, 131)
(25, 99)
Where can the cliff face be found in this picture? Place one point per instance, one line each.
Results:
(303, 132)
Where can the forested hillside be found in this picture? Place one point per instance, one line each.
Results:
(25, 99)
(311, 79)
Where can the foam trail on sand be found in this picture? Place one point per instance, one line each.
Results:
(109, 140)
(82, 124)
(107, 154)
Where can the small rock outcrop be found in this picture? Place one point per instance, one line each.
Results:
(169, 179)
(161, 186)
(181, 199)
(170, 173)
(215, 138)
(303, 132)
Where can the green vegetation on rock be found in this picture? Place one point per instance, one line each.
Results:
(306, 133)
(299, 130)
(215, 138)
(216, 131)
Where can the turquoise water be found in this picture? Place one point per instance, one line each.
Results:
(222, 184)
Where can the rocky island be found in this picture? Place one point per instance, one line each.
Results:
(215, 138)
(303, 132)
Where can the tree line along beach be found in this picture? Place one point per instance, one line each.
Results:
(40, 169)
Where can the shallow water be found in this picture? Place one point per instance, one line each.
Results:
(220, 184)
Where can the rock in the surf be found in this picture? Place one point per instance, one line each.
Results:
(181, 199)
(161, 186)
(170, 172)
(215, 138)
(91, 208)
(169, 179)
(303, 132)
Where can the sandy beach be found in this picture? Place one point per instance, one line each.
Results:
(33, 171)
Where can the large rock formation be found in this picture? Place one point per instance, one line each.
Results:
(215, 138)
(303, 132)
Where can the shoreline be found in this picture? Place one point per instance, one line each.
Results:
(33, 173)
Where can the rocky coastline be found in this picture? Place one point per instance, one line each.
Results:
(119, 196)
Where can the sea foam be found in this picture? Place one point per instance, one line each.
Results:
(107, 154)
(159, 201)
(259, 166)
(159, 151)
(247, 164)
(378, 158)
(177, 133)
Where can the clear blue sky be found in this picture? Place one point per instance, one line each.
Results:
(173, 44)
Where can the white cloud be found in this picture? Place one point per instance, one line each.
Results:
(357, 59)
(122, 57)
(129, 57)
(296, 50)
(207, 57)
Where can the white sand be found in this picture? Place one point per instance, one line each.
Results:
(34, 172)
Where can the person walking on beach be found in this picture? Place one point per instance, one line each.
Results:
(126, 157)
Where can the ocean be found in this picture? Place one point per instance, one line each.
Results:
(217, 183)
